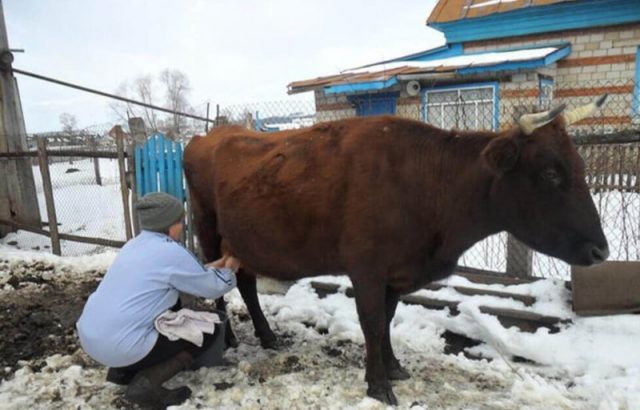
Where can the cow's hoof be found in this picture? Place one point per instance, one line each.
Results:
(397, 372)
(270, 343)
(383, 394)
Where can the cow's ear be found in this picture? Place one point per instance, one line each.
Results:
(502, 154)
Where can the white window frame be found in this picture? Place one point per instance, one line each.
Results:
(493, 100)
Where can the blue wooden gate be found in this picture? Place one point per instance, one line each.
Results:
(159, 167)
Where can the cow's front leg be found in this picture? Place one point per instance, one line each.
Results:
(394, 370)
(247, 288)
(370, 302)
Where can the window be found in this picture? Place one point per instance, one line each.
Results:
(546, 93)
(465, 108)
(374, 104)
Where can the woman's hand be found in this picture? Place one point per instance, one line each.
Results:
(232, 263)
(227, 261)
(218, 263)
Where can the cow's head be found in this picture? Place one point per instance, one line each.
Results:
(539, 189)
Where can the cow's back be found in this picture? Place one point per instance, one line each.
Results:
(286, 202)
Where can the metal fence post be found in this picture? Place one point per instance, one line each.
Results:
(43, 161)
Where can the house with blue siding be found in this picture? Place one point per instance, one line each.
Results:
(502, 58)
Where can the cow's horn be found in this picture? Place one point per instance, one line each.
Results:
(577, 114)
(529, 122)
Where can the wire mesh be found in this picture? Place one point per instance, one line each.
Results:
(86, 208)
(86, 192)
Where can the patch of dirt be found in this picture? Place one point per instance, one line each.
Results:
(38, 313)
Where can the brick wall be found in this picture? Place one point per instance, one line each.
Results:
(602, 60)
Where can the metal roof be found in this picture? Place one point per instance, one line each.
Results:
(379, 76)
(452, 10)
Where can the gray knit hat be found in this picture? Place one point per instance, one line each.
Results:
(157, 211)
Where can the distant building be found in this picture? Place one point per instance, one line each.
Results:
(501, 58)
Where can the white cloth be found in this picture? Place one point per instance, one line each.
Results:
(186, 324)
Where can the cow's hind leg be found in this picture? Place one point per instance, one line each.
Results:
(394, 370)
(370, 302)
(210, 240)
(247, 288)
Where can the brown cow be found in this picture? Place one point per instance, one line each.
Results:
(391, 202)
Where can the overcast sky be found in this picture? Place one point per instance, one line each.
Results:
(233, 52)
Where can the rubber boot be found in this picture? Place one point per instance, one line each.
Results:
(118, 376)
(146, 387)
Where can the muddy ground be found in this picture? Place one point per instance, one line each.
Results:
(38, 312)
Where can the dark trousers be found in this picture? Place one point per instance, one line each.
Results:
(163, 350)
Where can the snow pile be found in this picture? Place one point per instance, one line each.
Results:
(19, 264)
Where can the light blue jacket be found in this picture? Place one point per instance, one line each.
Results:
(145, 280)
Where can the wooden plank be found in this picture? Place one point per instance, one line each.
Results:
(170, 163)
(64, 236)
(525, 299)
(138, 135)
(48, 195)
(25, 227)
(133, 184)
(493, 279)
(62, 153)
(124, 191)
(153, 163)
(93, 145)
(22, 154)
(146, 167)
(323, 289)
(92, 240)
(18, 196)
(524, 320)
(519, 258)
(162, 166)
(431, 303)
(179, 173)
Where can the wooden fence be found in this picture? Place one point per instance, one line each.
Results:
(43, 155)
(612, 167)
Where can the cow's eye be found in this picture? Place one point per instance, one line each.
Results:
(551, 176)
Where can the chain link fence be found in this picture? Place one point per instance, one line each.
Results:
(88, 202)
(86, 192)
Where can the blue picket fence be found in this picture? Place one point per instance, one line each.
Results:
(159, 166)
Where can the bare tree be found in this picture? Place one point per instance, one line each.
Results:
(176, 87)
(123, 110)
(69, 122)
(173, 85)
(143, 87)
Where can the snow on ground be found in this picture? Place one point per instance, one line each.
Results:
(593, 363)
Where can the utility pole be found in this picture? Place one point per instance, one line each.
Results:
(18, 199)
